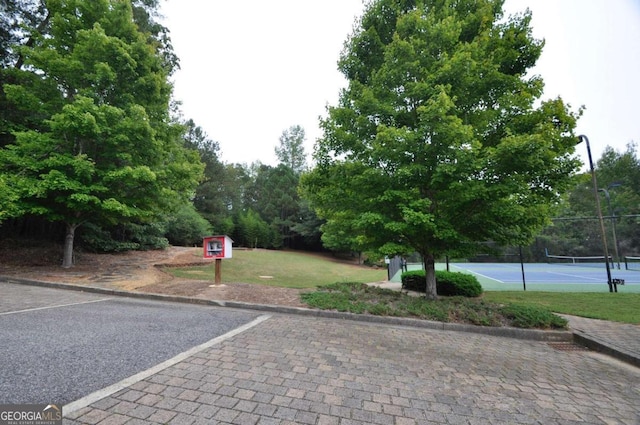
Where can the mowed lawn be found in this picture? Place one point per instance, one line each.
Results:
(306, 270)
(618, 307)
(283, 268)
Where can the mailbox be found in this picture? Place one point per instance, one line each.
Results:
(217, 246)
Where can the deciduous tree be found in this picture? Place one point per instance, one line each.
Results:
(107, 150)
(438, 144)
(291, 152)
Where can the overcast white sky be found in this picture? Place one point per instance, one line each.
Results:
(251, 69)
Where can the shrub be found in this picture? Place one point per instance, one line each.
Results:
(360, 298)
(524, 316)
(447, 283)
(334, 301)
(186, 227)
(123, 237)
(453, 283)
(413, 280)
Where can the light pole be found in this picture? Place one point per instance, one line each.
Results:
(613, 220)
(599, 210)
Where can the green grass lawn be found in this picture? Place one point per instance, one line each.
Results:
(618, 307)
(283, 268)
(304, 270)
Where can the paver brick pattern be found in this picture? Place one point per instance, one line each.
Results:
(303, 370)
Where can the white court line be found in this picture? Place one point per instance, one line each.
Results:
(577, 276)
(476, 273)
(127, 382)
(54, 306)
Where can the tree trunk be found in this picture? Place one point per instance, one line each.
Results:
(430, 275)
(67, 259)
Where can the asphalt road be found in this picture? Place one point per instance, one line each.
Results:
(57, 346)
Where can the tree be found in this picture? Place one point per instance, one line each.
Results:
(253, 231)
(186, 227)
(436, 146)
(308, 227)
(575, 231)
(274, 196)
(106, 150)
(211, 198)
(291, 150)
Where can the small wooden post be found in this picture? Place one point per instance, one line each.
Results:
(218, 276)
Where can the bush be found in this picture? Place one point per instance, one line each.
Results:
(186, 227)
(524, 316)
(447, 283)
(123, 237)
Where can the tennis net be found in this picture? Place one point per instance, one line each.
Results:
(577, 260)
(632, 263)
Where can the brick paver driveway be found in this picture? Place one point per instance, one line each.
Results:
(305, 370)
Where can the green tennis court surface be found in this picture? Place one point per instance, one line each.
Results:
(543, 276)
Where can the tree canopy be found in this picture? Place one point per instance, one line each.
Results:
(291, 152)
(101, 145)
(438, 143)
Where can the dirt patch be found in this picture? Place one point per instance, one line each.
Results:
(136, 271)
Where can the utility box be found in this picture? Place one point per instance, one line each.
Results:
(217, 247)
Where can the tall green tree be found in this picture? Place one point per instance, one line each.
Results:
(273, 195)
(107, 150)
(575, 230)
(290, 151)
(212, 198)
(436, 145)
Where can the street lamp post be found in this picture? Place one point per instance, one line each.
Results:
(599, 210)
(613, 220)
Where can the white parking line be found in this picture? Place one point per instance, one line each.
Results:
(54, 306)
(127, 382)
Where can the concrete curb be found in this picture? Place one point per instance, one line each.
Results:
(525, 334)
(600, 346)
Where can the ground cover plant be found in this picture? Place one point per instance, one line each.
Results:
(361, 298)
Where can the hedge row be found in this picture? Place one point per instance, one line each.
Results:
(447, 283)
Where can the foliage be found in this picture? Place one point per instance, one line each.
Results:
(123, 237)
(447, 283)
(576, 231)
(274, 196)
(217, 193)
(526, 316)
(186, 227)
(100, 146)
(360, 298)
(291, 152)
(252, 231)
(437, 144)
(308, 226)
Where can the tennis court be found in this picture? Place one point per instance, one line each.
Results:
(557, 277)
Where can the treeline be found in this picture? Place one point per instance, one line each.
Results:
(257, 205)
(94, 152)
(575, 228)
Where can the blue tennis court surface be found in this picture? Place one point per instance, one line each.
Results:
(544, 277)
